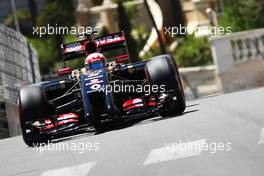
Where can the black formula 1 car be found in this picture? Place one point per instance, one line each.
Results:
(107, 88)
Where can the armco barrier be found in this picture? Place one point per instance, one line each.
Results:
(18, 66)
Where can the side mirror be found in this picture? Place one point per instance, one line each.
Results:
(64, 71)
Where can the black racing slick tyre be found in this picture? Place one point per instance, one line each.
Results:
(162, 70)
(32, 107)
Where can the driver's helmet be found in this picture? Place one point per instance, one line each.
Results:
(95, 61)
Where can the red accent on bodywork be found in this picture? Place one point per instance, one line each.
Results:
(133, 104)
(152, 101)
(122, 59)
(67, 121)
(64, 71)
(48, 125)
(61, 120)
(122, 56)
(67, 118)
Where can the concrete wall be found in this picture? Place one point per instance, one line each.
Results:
(12, 119)
(18, 67)
(3, 121)
(18, 63)
(199, 81)
(239, 60)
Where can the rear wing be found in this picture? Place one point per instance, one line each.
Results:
(73, 50)
(113, 46)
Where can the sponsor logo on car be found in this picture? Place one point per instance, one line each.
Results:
(94, 74)
(95, 87)
(95, 81)
(73, 47)
(109, 39)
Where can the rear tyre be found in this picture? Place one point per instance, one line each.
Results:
(162, 70)
(32, 107)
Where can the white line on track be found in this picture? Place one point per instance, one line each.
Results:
(172, 152)
(261, 138)
(80, 170)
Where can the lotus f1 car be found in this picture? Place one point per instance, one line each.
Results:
(108, 87)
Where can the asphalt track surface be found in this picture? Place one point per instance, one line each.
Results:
(141, 148)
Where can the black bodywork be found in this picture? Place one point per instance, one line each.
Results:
(84, 92)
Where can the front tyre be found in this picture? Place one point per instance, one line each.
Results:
(162, 71)
(32, 107)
